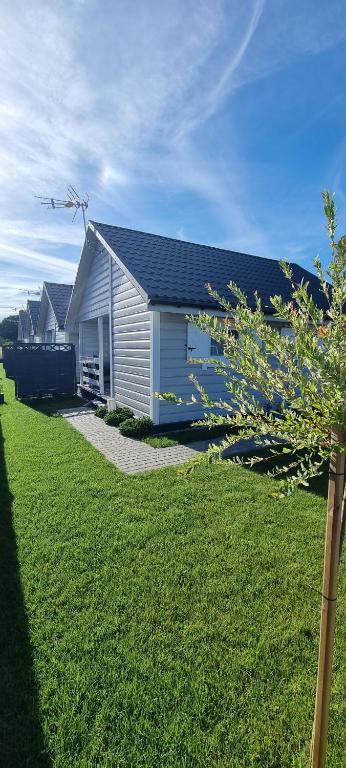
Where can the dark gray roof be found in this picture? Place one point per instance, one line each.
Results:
(24, 324)
(176, 272)
(59, 295)
(33, 310)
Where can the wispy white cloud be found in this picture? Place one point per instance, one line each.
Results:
(62, 234)
(28, 258)
(209, 100)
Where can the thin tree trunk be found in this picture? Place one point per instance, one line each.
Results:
(328, 606)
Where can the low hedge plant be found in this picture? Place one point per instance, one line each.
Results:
(136, 428)
(115, 418)
(101, 412)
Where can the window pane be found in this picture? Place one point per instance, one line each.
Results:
(216, 348)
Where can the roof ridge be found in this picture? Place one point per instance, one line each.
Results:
(187, 242)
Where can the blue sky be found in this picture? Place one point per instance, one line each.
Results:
(217, 121)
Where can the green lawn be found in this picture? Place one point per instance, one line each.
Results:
(155, 621)
(160, 441)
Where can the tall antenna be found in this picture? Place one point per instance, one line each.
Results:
(73, 201)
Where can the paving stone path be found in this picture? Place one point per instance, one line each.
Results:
(132, 456)
(128, 455)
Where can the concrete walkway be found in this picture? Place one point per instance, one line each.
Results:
(133, 456)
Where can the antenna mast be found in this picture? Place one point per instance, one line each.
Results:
(73, 201)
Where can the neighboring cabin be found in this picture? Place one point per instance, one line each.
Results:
(33, 308)
(44, 320)
(51, 319)
(128, 306)
(27, 321)
(23, 325)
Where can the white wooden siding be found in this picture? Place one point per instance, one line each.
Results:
(105, 340)
(89, 345)
(95, 301)
(50, 324)
(174, 372)
(131, 345)
(62, 337)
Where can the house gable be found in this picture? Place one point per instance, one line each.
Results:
(53, 308)
(103, 288)
(95, 297)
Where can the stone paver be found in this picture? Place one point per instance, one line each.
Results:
(133, 456)
(128, 455)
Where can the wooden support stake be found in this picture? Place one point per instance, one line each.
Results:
(328, 606)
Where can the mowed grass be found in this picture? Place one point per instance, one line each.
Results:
(155, 621)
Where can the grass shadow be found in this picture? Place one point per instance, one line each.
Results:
(21, 738)
(317, 485)
(50, 406)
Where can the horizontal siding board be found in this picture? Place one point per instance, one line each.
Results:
(62, 337)
(139, 408)
(139, 333)
(141, 372)
(129, 303)
(127, 291)
(124, 311)
(132, 386)
(126, 325)
(119, 280)
(133, 344)
(138, 397)
(136, 355)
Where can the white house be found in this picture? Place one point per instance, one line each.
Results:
(51, 318)
(129, 304)
(27, 321)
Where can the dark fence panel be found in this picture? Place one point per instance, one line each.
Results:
(7, 358)
(42, 369)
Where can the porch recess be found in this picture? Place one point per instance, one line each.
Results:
(94, 356)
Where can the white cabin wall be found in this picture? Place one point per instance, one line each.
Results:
(175, 370)
(95, 301)
(50, 324)
(89, 346)
(130, 344)
(62, 337)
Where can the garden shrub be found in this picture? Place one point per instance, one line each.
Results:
(115, 418)
(101, 411)
(136, 428)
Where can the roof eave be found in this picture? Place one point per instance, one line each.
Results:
(157, 301)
